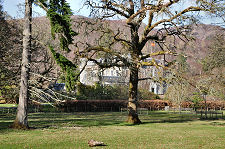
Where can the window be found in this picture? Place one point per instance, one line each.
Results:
(153, 90)
(117, 73)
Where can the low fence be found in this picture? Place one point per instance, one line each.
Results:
(210, 114)
(180, 110)
(114, 105)
(139, 110)
(31, 109)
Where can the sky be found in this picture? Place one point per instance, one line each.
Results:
(11, 6)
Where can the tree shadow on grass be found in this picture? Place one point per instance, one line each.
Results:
(166, 121)
(6, 120)
(57, 120)
(103, 119)
(165, 117)
(72, 122)
(5, 125)
(79, 119)
(211, 118)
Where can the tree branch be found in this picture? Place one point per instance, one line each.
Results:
(108, 5)
(106, 50)
(189, 9)
(157, 53)
(147, 78)
(40, 4)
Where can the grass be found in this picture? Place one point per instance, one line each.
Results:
(73, 130)
(8, 105)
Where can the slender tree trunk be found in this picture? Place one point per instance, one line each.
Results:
(21, 121)
(132, 102)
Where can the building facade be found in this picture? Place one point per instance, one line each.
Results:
(120, 75)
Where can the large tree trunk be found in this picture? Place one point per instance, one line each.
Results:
(133, 83)
(132, 103)
(21, 121)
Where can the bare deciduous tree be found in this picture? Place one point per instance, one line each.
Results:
(173, 16)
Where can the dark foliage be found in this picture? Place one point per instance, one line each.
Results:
(108, 92)
(69, 69)
(108, 105)
(59, 14)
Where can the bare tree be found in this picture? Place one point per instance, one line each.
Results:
(174, 21)
(179, 89)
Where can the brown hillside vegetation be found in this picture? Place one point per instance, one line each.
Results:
(195, 49)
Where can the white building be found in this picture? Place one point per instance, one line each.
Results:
(114, 75)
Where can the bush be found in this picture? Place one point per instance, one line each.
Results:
(146, 95)
(97, 92)
(10, 94)
(196, 100)
(108, 92)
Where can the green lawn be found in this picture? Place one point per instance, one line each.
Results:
(8, 105)
(73, 130)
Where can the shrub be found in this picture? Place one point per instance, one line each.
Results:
(10, 93)
(146, 95)
(196, 99)
(97, 92)
(108, 92)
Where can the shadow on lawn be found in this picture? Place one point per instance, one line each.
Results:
(6, 120)
(103, 119)
(165, 117)
(78, 119)
(5, 125)
(72, 123)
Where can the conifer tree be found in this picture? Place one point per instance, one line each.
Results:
(59, 13)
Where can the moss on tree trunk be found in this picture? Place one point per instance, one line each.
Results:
(132, 103)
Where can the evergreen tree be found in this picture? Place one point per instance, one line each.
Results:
(59, 13)
(69, 69)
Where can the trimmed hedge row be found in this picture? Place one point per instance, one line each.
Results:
(108, 105)
(210, 104)
(116, 105)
